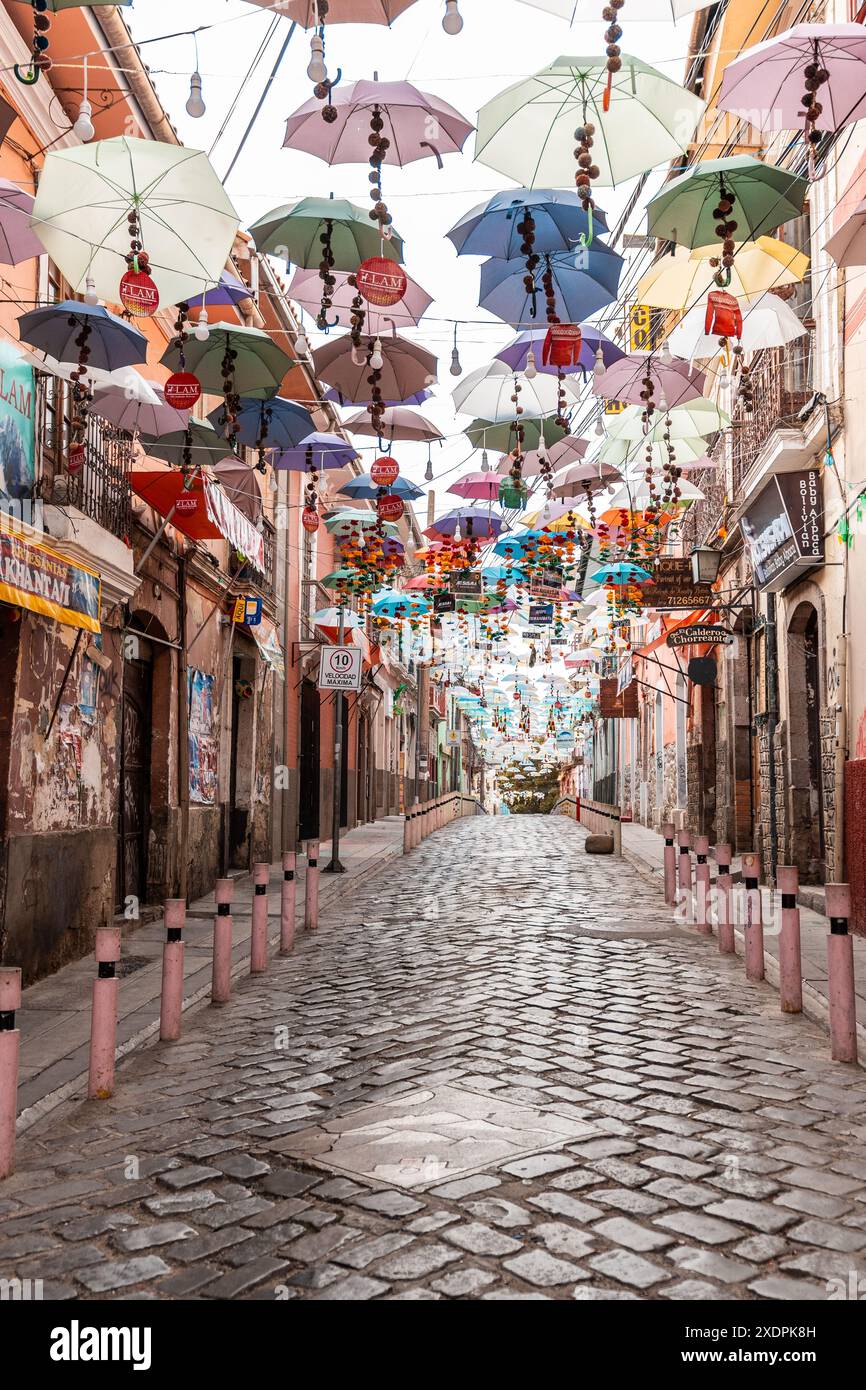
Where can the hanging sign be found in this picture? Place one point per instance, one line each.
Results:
(444, 603)
(182, 390)
(467, 585)
(40, 580)
(138, 294)
(784, 529)
(310, 519)
(673, 587)
(390, 508)
(75, 458)
(248, 610)
(699, 635)
(381, 282)
(385, 471)
(547, 584)
(341, 668)
(540, 613)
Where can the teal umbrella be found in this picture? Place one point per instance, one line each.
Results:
(199, 443)
(765, 197)
(294, 231)
(257, 367)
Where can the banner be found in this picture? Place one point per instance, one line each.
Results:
(784, 529)
(238, 531)
(203, 742)
(36, 578)
(17, 429)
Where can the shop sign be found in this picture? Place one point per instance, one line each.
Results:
(384, 472)
(784, 529)
(381, 281)
(540, 613)
(466, 585)
(40, 580)
(390, 507)
(17, 431)
(700, 635)
(182, 390)
(672, 586)
(248, 610)
(612, 704)
(547, 584)
(444, 603)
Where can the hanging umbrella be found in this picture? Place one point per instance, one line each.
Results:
(200, 438)
(637, 495)
(306, 13)
(417, 398)
(56, 5)
(398, 423)
(417, 125)
(685, 279)
(530, 467)
(477, 487)
(696, 419)
(674, 381)
(583, 282)
(17, 242)
(487, 434)
(579, 478)
(407, 368)
(527, 131)
(138, 406)
(112, 342)
(491, 228)
(240, 483)
(768, 322)
(593, 340)
(187, 222)
(305, 289)
(619, 453)
(649, 9)
(294, 231)
(354, 519)
(328, 621)
(364, 487)
(258, 368)
(391, 603)
(317, 451)
(766, 197)
(848, 245)
(475, 522)
(571, 449)
(268, 424)
(765, 84)
(229, 291)
(620, 574)
(488, 392)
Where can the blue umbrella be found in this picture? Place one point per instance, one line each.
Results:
(112, 343)
(363, 486)
(516, 353)
(229, 291)
(316, 451)
(390, 603)
(513, 544)
(583, 282)
(621, 573)
(272, 424)
(491, 229)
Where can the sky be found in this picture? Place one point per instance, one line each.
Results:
(501, 42)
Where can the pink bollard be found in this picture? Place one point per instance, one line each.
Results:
(311, 895)
(684, 893)
(790, 966)
(259, 929)
(10, 1040)
(103, 1018)
(840, 974)
(287, 903)
(221, 984)
(171, 1002)
(753, 929)
(702, 884)
(670, 865)
(723, 899)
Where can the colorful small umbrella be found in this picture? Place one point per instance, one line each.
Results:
(112, 342)
(391, 603)
(398, 423)
(268, 424)
(696, 419)
(417, 124)
(229, 291)
(488, 392)
(310, 15)
(619, 453)
(406, 368)
(354, 519)
(487, 434)
(305, 289)
(620, 574)
(478, 487)
(768, 322)
(583, 281)
(685, 279)
(258, 367)
(576, 480)
(674, 381)
(317, 451)
(766, 197)
(765, 84)
(138, 406)
(475, 522)
(17, 242)
(593, 341)
(363, 487)
(491, 229)
(328, 621)
(294, 232)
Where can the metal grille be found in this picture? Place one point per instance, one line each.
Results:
(101, 490)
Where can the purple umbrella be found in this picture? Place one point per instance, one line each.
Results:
(318, 451)
(674, 382)
(491, 229)
(111, 343)
(17, 242)
(417, 399)
(515, 355)
(766, 84)
(229, 291)
(472, 522)
(306, 290)
(417, 124)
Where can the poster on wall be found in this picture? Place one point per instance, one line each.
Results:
(17, 430)
(203, 743)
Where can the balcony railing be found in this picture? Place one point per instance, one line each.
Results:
(245, 573)
(101, 489)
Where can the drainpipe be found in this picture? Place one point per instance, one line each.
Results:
(772, 703)
(182, 729)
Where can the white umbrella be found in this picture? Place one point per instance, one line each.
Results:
(486, 394)
(768, 322)
(137, 404)
(696, 419)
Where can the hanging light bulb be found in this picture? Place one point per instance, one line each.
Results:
(195, 106)
(202, 330)
(599, 368)
(485, 462)
(83, 127)
(90, 295)
(456, 365)
(302, 347)
(452, 21)
(531, 368)
(663, 405)
(599, 428)
(273, 484)
(665, 355)
(377, 361)
(428, 474)
(317, 72)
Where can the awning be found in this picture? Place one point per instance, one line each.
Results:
(39, 579)
(700, 615)
(199, 509)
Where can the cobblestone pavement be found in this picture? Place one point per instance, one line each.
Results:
(499, 1071)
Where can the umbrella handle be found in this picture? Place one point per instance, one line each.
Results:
(425, 144)
(29, 78)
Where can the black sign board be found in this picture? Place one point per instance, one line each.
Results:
(547, 584)
(702, 670)
(700, 634)
(784, 529)
(444, 603)
(673, 587)
(540, 613)
(466, 585)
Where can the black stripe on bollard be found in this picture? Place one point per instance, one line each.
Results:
(288, 875)
(106, 970)
(174, 934)
(669, 842)
(312, 863)
(838, 926)
(701, 858)
(724, 869)
(684, 849)
(261, 890)
(224, 909)
(789, 900)
(7, 1022)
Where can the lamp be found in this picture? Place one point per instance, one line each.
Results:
(706, 562)
(453, 20)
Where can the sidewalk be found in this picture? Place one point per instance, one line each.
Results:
(644, 849)
(55, 1012)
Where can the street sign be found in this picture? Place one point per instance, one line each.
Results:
(384, 472)
(700, 635)
(341, 668)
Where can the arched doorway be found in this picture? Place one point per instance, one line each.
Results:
(309, 789)
(805, 791)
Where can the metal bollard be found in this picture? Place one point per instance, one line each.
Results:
(670, 865)
(840, 974)
(171, 1002)
(259, 929)
(790, 965)
(753, 930)
(723, 899)
(221, 982)
(702, 884)
(10, 1041)
(287, 903)
(684, 874)
(311, 895)
(103, 1017)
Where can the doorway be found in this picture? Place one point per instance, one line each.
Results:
(805, 792)
(309, 790)
(135, 756)
(344, 766)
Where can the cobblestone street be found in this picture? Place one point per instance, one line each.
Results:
(499, 1070)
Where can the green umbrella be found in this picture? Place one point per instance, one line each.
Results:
(294, 231)
(205, 445)
(339, 579)
(484, 434)
(258, 368)
(766, 197)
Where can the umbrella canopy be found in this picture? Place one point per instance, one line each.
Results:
(649, 9)
(17, 242)
(568, 450)
(259, 365)
(767, 322)
(138, 406)
(696, 419)
(488, 392)
(491, 228)
(328, 621)
(583, 283)
(766, 197)
(294, 233)
(637, 495)
(620, 574)
(112, 342)
(479, 487)
(619, 453)
(355, 519)
(417, 124)
(765, 84)
(475, 522)
(848, 245)
(240, 482)
(57, 5)
(575, 481)
(530, 467)
(686, 278)
(306, 289)
(673, 382)
(487, 434)
(316, 452)
(187, 221)
(229, 291)
(527, 131)
(391, 603)
(593, 340)
(199, 437)
(417, 398)
(364, 487)
(268, 424)
(407, 368)
(398, 422)
(305, 13)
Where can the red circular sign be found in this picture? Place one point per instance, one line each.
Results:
(138, 294)
(381, 282)
(75, 458)
(182, 390)
(385, 471)
(310, 519)
(390, 508)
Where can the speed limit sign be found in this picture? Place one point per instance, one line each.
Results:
(340, 668)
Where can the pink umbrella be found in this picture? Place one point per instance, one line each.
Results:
(848, 245)
(582, 477)
(241, 484)
(674, 381)
(306, 290)
(17, 241)
(480, 487)
(398, 422)
(417, 125)
(567, 450)
(530, 467)
(765, 86)
(309, 15)
(406, 368)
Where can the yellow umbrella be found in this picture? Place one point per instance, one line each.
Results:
(678, 281)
